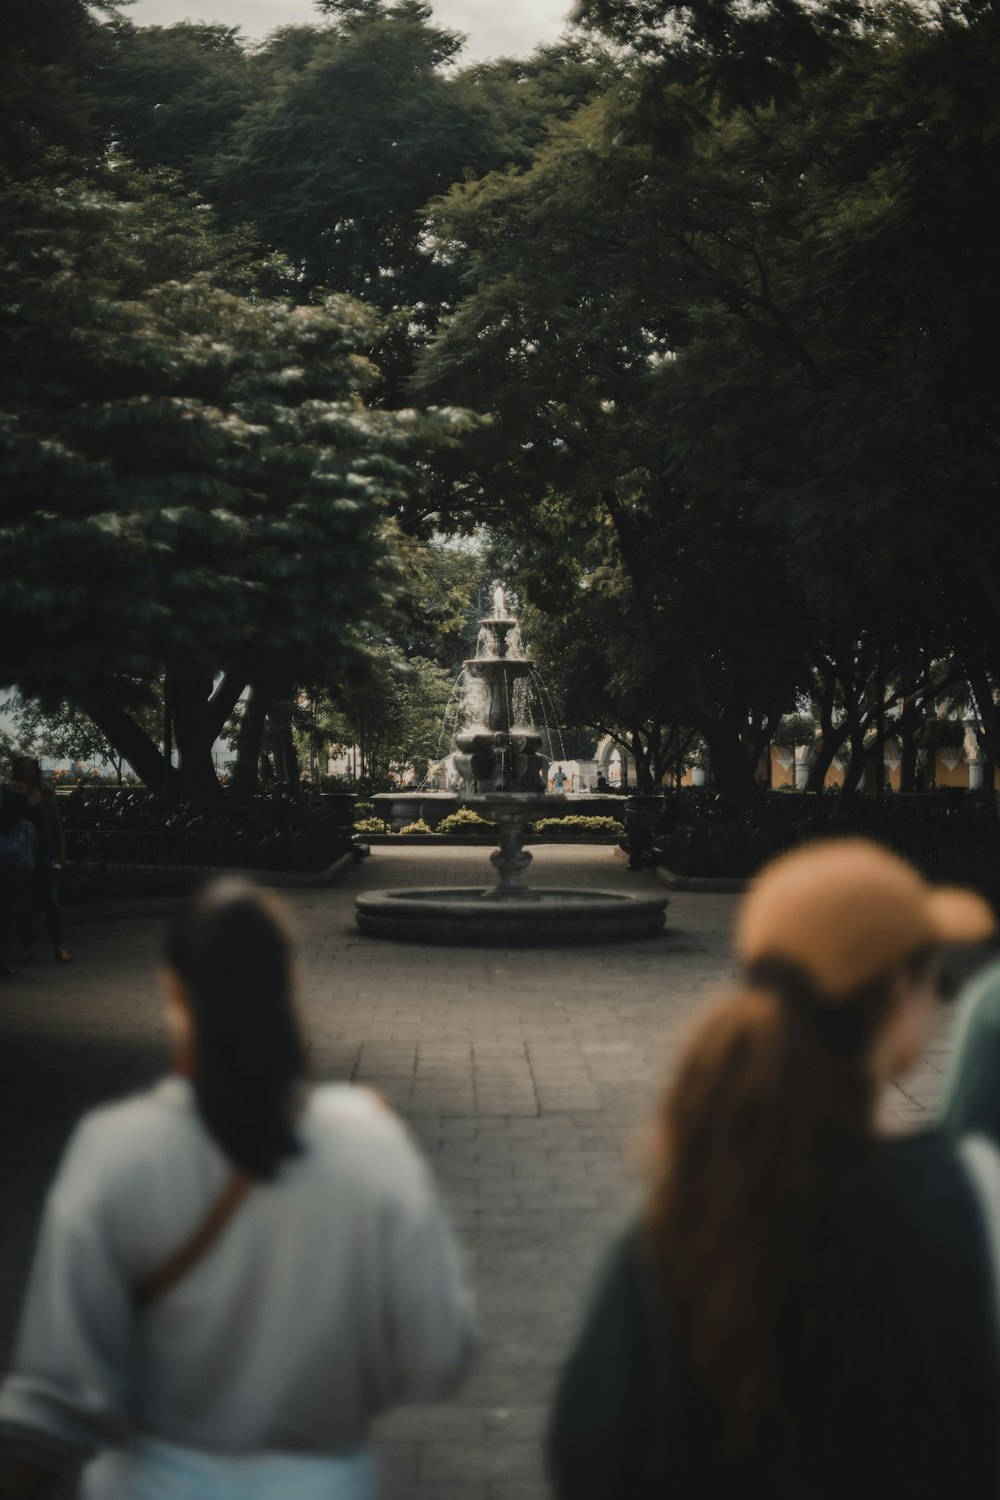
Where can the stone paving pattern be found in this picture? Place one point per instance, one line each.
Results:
(527, 1077)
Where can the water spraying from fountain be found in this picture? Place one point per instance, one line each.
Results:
(498, 750)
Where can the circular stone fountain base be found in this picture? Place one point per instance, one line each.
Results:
(480, 918)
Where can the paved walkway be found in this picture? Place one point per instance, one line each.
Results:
(527, 1077)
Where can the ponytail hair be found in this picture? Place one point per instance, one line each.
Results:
(766, 1178)
(230, 947)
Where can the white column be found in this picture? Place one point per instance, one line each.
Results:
(803, 765)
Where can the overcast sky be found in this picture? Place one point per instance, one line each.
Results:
(495, 28)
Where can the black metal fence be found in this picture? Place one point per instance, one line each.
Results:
(949, 840)
(140, 843)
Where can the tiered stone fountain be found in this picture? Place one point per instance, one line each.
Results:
(502, 769)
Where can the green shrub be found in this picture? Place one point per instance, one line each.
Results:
(364, 809)
(369, 825)
(418, 827)
(465, 821)
(578, 824)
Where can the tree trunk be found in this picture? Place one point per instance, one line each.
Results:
(907, 758)
(281, 744)
(734, 775)
(879, 757)
(861, 756)
(246, 772)
(822, 762)
(193, 727)
(989, 712)
(831, 740)
(168, 729)
(132, 743)
(223, 701)
(289, 755)
(644, 782)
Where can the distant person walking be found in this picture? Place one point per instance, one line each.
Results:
(41, 891)
(803, 1311)
(17, 862)
(236, 1271)
(559, 779)
(603, 784)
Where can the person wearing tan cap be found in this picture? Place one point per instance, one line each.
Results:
(805, 1307)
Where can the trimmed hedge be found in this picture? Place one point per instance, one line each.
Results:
(465, 821)
(577, 824)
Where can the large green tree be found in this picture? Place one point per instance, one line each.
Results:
(192, 482)
(50, 54)
(574, 349)
(356, 125)
(354, 128)
(167, 96)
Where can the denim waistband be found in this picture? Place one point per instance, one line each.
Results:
(153, 1470)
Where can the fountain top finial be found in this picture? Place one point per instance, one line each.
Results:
(500, 602)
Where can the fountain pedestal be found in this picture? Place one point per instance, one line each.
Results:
(514, 814)
(510, 861)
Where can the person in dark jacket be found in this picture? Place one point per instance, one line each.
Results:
(805, 1308)
(14, 879)
(41, 891)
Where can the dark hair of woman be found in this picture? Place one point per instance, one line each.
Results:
(231, 950)
(26, 768)
(767, 1185)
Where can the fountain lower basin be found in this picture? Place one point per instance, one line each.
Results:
(479, 918)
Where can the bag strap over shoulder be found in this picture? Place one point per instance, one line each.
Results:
(164, 1278)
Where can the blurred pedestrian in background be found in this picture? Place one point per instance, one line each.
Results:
(235, 1271)
(18, 853)
(805, 1308)
(41, 892)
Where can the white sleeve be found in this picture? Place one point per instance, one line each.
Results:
(981, 1160)
(428, 1314)
(70, 1376)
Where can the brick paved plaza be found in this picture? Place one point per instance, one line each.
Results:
(526, 1077)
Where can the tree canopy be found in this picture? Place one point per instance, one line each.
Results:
(743, 359)
(716, 283)
(193, 482)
